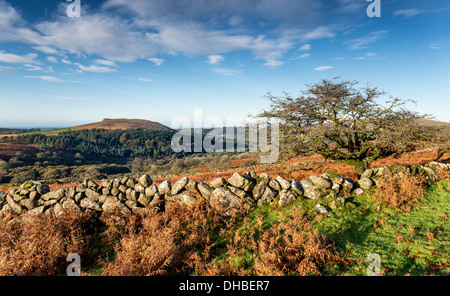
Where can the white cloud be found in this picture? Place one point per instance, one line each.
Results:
(303, 56)
(350, 6)
(113, 38)
(49, 78)
(145, 80)
(7, 70)
(64, 61)
(13, 58)
(305, 47)
(172, 27)
(323, 68)
(30, 67)
(367, 56)
(52, 59)
(95, 68)
(236, 12)
(364, 41)
(435, 46)
(215, 59)
(106, 62)
(46, 49)
(156, 61)
(33, 67)
(409, 12)
(227, 72)
(193, 39)
(12, 26)
(273, 63)
(319, 33)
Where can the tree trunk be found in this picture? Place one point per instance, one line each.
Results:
(359, 165)
(441, 152)
(360, 168)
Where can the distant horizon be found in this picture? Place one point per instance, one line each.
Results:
(62, 125)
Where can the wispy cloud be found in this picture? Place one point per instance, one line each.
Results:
(323, 68)
(319, 33)
(215, 59)
(435, 46)
(106, 63)
(19, 59)
(305, 47)
(227, 72)
(7, 70)
(145, 80)
(30, 67)
(273, 63)
(367, 56)
(350, 6)
(52, 59)
(303, 56)
(95, 68)
(171, 27)
(157, 61)
(46, 49)
(364, 41)
(49, 78)
(409, 12)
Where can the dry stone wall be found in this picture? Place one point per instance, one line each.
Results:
(240, 191)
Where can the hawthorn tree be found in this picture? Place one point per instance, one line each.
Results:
(344, 122)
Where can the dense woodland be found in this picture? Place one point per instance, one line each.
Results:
(117, 143)
(97, 153)
(81, 154)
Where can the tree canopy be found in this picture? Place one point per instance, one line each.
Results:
(343, 122)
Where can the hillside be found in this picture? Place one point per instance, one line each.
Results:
(122, 124)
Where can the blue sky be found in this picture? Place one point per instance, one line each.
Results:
(159, 60)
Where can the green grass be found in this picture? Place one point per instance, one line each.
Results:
(48, 132)
(409, 243)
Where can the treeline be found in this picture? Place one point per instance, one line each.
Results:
(116, 143)
(129, 143)
(17, 130)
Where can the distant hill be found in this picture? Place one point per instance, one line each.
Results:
(7, 130)
(445, 126)
(122, 124)
(430, 122)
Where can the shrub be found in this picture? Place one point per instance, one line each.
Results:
(55, 173)
(38, 245)
(250, 162)
(3, 165)
(22, 177)
(156, 244)
(114, 169)
(191, 162)
(400, 191)
(292, 247)
(289, 246)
